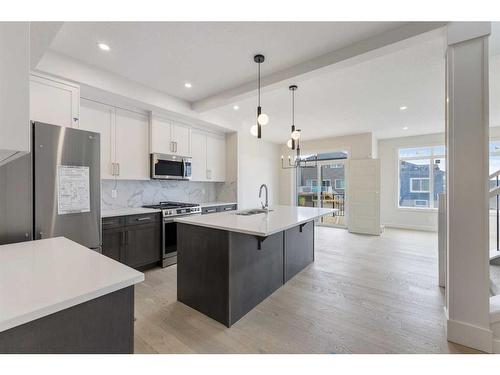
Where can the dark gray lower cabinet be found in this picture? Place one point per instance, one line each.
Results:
(299, 249)
(133, 240)
(99, 326)
(225, 274)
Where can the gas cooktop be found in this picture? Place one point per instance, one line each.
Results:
(176, 208)
(167, 205)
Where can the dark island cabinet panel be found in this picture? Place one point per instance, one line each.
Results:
(134, 240)
(299, 249)
(214, 209)
(254, 273)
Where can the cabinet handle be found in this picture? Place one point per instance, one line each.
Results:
(172, 146)
(210, 211)
(126, 238)
(228, 208)
(143, 218)
(122, 239)
(118, 168)
(175, 146)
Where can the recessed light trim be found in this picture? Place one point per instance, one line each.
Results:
(188, 85)
(236, 107)
(405, 127)
(103, 46)
(403, 108)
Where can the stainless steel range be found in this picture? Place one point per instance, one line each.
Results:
(171, 210)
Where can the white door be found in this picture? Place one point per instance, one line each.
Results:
(199, 156)
(364, 196)
(181, 136)
(216, 158)
(161, 136)
(132, 156)
(97, 117)
(54, 102)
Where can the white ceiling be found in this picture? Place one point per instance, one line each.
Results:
(361, 96)
(364, 97)
(213, 56)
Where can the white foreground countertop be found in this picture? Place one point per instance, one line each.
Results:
(39, 278)
(128, 211)
(277, 220)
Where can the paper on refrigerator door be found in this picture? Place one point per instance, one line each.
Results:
(73, 189)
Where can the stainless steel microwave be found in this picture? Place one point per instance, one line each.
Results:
(170, 167)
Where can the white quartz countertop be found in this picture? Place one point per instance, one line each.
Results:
(214, 204)
(277, 220)
(128, 211)
(39, 278)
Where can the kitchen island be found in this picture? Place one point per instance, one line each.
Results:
(229, 262)
(57, 296)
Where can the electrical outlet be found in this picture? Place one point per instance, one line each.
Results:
(114, 193)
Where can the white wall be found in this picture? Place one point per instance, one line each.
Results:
(359, 146)
(258, 163)
(390, 214)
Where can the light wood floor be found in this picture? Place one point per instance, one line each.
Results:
(363, 294)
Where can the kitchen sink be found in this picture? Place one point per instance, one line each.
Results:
(252, 211)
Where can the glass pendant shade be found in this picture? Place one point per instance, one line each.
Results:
(289, 143)
(254, 130)
(263, 119)
(295, 135)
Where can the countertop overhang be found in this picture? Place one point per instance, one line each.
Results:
(262, 225)
(39, 278)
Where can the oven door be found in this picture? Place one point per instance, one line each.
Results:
(169, 237)
(167, 167)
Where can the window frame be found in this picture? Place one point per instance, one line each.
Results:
(343, 183)
(432, 157)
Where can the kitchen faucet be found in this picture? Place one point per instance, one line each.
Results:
(266, 206)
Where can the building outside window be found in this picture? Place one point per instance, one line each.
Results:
(422, 176)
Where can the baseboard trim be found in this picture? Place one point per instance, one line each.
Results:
(411, 227)
(470, 335)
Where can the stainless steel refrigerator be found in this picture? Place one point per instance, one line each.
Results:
(55, 190)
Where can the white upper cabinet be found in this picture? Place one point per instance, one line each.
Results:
(216, 158)
(124, 140)
(170, 137)
(161, 136)
(99, 118)
(132, 145)
(199, 156)
(209, 157)
(181, 138)
(14, 92)
(54, 101)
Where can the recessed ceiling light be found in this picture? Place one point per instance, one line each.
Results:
(103, 46)
(188, 85)
(402, 108)
(405, 127)
(236, 107)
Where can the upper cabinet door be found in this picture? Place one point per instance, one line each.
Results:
(161, 136)
(54, 102)
(132, 145)
(181, 136)
(199, 156)
(216, 158)
(99, 118)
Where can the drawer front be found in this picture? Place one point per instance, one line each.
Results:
(209, 210)
(112, 222)
(142, 219)
(229, 207)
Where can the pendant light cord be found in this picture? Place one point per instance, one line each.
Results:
(259, 83)
(293, 107)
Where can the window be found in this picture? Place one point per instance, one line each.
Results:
(422, 176)
(339, 184)
(419, 185)
(311, 182)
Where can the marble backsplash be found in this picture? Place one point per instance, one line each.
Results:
(138, 193)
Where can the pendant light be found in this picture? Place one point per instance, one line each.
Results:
(294, 141)
(262, 118)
